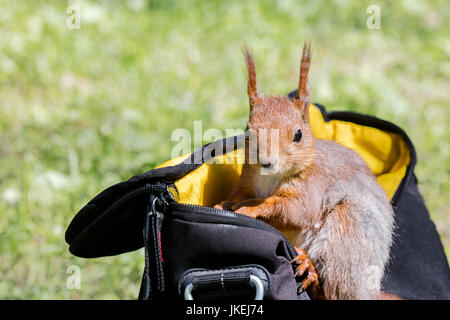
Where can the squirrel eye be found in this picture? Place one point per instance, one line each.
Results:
(298, 136)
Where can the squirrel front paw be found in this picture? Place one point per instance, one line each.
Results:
(238, 207)
(247, 211)
(250, 208)
(224, 205)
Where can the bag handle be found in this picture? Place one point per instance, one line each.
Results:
(201, 280)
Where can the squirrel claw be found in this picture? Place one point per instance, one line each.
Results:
(311, 280)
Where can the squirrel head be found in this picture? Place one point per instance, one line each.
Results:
(285, 143)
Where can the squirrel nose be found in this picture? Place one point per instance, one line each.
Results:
(266, 165)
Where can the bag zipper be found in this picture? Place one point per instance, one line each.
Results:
(212, 215)
(204, 214)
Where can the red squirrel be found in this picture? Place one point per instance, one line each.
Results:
(322, 196)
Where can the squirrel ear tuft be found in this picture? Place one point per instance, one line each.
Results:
(252, 88)
(304, 95)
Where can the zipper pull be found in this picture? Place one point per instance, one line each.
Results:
(152, 241)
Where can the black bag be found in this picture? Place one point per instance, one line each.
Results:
(218, 251)
(194, 250)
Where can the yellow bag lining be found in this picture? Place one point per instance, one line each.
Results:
(386, 153)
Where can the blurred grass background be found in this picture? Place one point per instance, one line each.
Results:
(83, 109)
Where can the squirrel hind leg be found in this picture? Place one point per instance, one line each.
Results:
(311, 280)
(346, 256)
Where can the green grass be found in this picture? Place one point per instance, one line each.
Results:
(83, 109)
